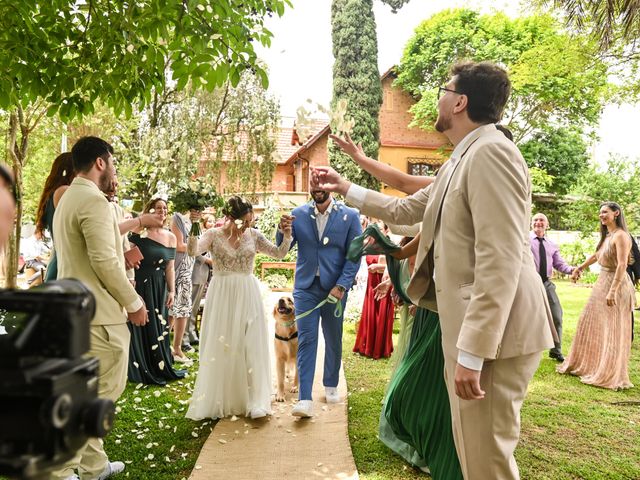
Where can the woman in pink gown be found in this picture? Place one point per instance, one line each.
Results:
(602, 344)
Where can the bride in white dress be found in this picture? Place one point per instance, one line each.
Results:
(234, 376)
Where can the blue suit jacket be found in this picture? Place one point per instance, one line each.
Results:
(328, 253)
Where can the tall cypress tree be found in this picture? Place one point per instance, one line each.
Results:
(356, 78)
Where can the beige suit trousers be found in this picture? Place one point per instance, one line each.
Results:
(486, 431)
(110, 345)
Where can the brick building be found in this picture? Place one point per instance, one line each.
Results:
(408, 149)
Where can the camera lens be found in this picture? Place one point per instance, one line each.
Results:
(98, 418)
(61, 410)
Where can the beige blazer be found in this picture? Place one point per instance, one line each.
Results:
(89, 248)
(475, 245)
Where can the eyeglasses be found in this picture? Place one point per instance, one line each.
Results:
(445, 89)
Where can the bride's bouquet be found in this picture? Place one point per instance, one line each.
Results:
(196, 194)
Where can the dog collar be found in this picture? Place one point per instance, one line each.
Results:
(286, 339)
(288, 324)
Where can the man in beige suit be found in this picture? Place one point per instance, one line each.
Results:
(89, 248)
(474, 266)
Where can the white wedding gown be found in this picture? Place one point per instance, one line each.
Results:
(234, 376)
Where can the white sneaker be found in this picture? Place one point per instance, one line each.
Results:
(332, 395)
(258, 413)
(111, 468)
(304, 409)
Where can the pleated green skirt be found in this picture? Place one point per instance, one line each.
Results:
(416, 420)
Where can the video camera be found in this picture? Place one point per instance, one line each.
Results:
(49, 405)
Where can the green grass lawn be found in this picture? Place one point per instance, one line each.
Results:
(569, 430)
(151, 434)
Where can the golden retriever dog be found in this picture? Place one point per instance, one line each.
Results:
(286, 344)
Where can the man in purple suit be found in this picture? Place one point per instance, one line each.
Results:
(547, 257)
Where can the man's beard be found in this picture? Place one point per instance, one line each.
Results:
(320, 196)
(442, 123)
(104, 183)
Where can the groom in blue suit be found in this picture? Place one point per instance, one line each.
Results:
(323, 229)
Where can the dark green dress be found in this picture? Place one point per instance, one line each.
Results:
(416, 408)
(52, 268)
(150, 360)
(415, 421)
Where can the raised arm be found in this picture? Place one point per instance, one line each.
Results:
(265, 246)
(404, 182)
(399, 211)
(196, 246)
(146, 220)
(409, 250)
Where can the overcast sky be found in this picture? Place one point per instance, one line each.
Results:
(300, 59)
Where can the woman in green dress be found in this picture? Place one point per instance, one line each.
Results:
(59, 179)
(416, 420)
(150, 360)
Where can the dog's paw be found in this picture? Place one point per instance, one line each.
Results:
(280, 396)
(293, 389)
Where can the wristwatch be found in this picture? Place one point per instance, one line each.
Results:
(341, 288)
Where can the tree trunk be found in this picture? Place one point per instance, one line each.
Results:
(18, 153)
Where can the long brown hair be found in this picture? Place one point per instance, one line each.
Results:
(62, 173)
(151, 204)
(620, 222)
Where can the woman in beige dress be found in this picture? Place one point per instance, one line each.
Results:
(602, 344)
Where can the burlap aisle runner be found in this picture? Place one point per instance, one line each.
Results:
(282, 446)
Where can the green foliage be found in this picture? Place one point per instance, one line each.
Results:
(556, 78)
(540, 180)
(240, 124)
(182, 134)
(69, 54)
(196, 193)
(356, 79)
(268, 221)
(561, 153)
(44, 146)
(577, 252)
(291, 256)
(276, 280)
(618, 182)
(610, 22)
(395, 4)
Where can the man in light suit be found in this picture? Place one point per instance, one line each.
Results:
(474, 266)
(89, 249)
(323, 230)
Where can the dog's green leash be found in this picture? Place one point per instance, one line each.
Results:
(337, 312)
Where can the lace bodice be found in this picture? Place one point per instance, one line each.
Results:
(231, 260)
